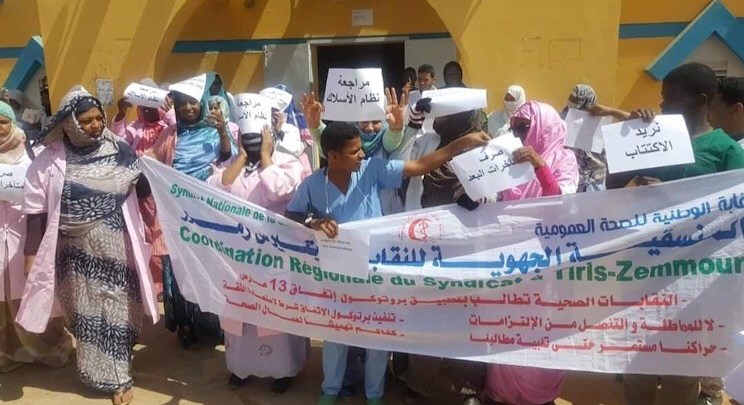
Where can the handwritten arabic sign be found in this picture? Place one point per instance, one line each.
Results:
(11, 182)
(278, 97)
(483, 172)
(585, 131)
(634, 145)
(354, 95)
(145, 96)
(193, 87)
(254, 112)
(572, 282)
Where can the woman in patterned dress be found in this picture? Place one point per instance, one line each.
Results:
(82, 192)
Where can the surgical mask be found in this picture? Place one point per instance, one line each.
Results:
(512, 106)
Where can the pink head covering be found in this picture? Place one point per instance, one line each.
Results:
(547, 135)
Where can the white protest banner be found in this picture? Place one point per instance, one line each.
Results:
(12, 178)
(634, 145)
(577, 282)
(193, 87)
(254, 112)
(734, 384)
(354, 95)
(485, 171)
(279, 97)
(452, 100)
(585, 130)
(145, 96)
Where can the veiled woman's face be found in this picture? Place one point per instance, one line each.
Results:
(6, 125)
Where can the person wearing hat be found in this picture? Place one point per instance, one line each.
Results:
(267, 177)
(81, 194)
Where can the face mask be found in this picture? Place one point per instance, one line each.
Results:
(511, 106)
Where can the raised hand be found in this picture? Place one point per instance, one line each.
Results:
(313, 110)
(395, 111)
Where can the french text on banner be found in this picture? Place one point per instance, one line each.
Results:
(575, 282)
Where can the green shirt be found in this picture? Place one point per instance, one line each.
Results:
(714, 152)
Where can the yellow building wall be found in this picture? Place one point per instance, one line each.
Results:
(546, 46)
(85, 40)
(635, 88)
(547, 51)
(655, 11)
(19, 21)
(124, 40)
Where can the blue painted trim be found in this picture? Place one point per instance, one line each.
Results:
(29, 62)
(257, 45)
(652, 30)
(715, 19)
(10, 52)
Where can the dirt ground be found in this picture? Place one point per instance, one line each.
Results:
(167, 375)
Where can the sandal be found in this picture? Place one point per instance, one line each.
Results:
(123, 397)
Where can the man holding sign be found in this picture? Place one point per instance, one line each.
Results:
(348, 190)
(687, 90)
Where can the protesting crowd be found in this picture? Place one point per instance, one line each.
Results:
(85, 253)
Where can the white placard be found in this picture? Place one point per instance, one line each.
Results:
(450, 101)
(362, 18)
(279, 97)
(585, 130)
(455, 100)
(354, 95)
(254, 112)
(11, 182)
(105, 91)
(635, 145)
(31, 116)
(485, 171)
(193, 87)
(145, 96)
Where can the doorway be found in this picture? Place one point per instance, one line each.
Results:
(389, 56)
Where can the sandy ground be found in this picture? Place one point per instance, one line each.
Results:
(167, 375)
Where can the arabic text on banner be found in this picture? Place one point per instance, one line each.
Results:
(574, 282)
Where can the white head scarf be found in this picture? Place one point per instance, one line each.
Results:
(520, 98)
